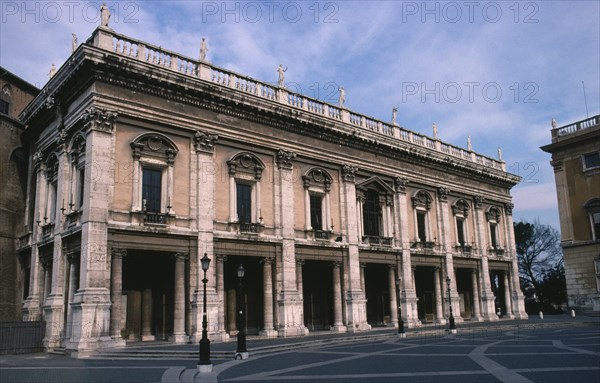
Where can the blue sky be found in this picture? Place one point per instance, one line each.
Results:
(498, 71)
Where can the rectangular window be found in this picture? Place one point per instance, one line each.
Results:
(596, 224)
(372, 214)
(81, 181)
(591, 160)
(316, 212)
(421, 232)
(244, 203)
(493, 235)
(4, 107)
(26, 276)
(52, 202)
(460, 231)
(151, 190)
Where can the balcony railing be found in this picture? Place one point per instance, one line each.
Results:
(464, 248)
(424, 246)
(249, 227)
(497, 251)
(73, 218)
(133, 49)
(155, 218)
(376, 240)
(47, 230)
(575, 127)
(322, 234)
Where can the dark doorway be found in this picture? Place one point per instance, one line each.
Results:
(153, 272)
(464, 285)
(377, 293)
(317, 289)
(425, 286)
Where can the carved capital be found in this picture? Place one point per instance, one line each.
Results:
(284, 159)
(62, 139)
(349, 173)
(508, 208)
(443, 194)
(267, 261)
(478, 201)
(38, 160)
(400, 184)
(205, 142)
(180, 257)
(102, 120)
(118, 253)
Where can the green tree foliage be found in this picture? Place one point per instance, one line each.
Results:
(540, 263)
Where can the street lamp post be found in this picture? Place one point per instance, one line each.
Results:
(401, 332)
(241, 352)
(204, 364)
(452, 325)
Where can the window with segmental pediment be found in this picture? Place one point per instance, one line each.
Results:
(153, 184)
(245, 173)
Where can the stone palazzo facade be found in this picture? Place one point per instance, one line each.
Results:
(143, 160)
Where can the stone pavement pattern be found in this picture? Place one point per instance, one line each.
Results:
(550, 355)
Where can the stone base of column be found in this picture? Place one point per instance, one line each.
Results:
(290, 314)
(118, 342)
(54, 317)
(148, 338)
(205, 368)
(508, 316)
(31, 310)
(476, 318)
(179, 338)
(90, 322)
(338, 328)
(440, 321)
(271, 333)
(292, 331)
(393, 324)
(488, 311)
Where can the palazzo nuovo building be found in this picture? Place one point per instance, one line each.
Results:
(143, 160)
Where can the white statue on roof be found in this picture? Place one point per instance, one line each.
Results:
(73, 42)
(394, 115)
(469, 144)
(435, 131)
(342, 98)
(104, 15)
(203, 49)
(281, 79)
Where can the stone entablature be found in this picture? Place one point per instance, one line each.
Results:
(358, 125)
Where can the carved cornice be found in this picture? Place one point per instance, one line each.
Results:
(284, 159)
(349, 173)
(98, 119)
(205, 142)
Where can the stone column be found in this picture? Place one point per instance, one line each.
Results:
(308, 224)
(289, 303)
(362, 276)
(393, 297)
(221, 295)
(488, 310)
(179, 335)
(300, 286)
(408, 296)
(518, 303)
(338, 325)
(147, 315)
(116, 290)
(268, 329)
(476, 302)
(439, 311)
(92, 302)
(508, 314)
(73, 273)
(356, 302)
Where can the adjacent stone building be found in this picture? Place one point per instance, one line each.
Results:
(575, 150)
(15, 94)
(144, 160)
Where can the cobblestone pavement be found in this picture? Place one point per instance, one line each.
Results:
(548, 355)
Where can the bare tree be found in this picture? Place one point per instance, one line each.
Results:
(538, 250)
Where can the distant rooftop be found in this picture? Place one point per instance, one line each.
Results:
(575, 128)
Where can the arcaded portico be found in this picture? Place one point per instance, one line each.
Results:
(144, 160)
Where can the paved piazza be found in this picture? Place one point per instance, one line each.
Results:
(550, 355)
(561, 352)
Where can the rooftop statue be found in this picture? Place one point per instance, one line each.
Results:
(342, 99)
(203, 50)
(104, 15)
(281, 79)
